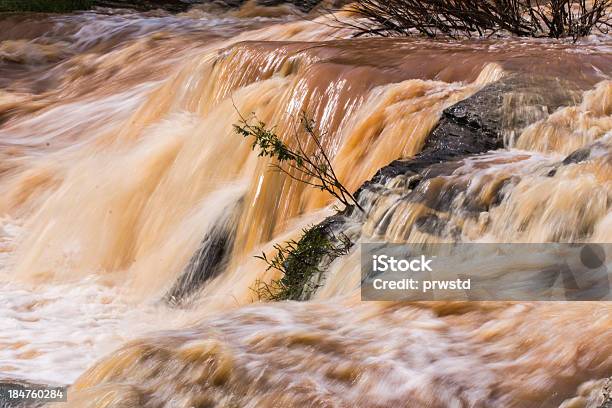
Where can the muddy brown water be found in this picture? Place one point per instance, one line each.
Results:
(119, 156)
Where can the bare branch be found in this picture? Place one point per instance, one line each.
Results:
(526, 18)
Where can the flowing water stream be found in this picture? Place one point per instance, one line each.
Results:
(119, 161)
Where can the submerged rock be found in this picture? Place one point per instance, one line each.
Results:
(209, 260)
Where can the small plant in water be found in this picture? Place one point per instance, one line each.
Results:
(312, 169)
(301, 264)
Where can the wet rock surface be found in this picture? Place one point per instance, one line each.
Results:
(209, 260)
(477, 125)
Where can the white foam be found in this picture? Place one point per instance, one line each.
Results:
(52, 334)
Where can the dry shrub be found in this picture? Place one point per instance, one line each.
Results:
(454, 18)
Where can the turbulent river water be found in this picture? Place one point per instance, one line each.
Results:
(118, 158)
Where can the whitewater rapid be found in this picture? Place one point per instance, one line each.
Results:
(120, 162)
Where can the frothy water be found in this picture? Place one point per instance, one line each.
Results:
(51, 333)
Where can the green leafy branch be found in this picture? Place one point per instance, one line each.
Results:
(313, 169)
(300, 263)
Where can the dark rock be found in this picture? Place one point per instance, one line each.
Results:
(577, 156)
(469, 127)
(474, 126)
(432, 224)
(581, 155)
(209, 261)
